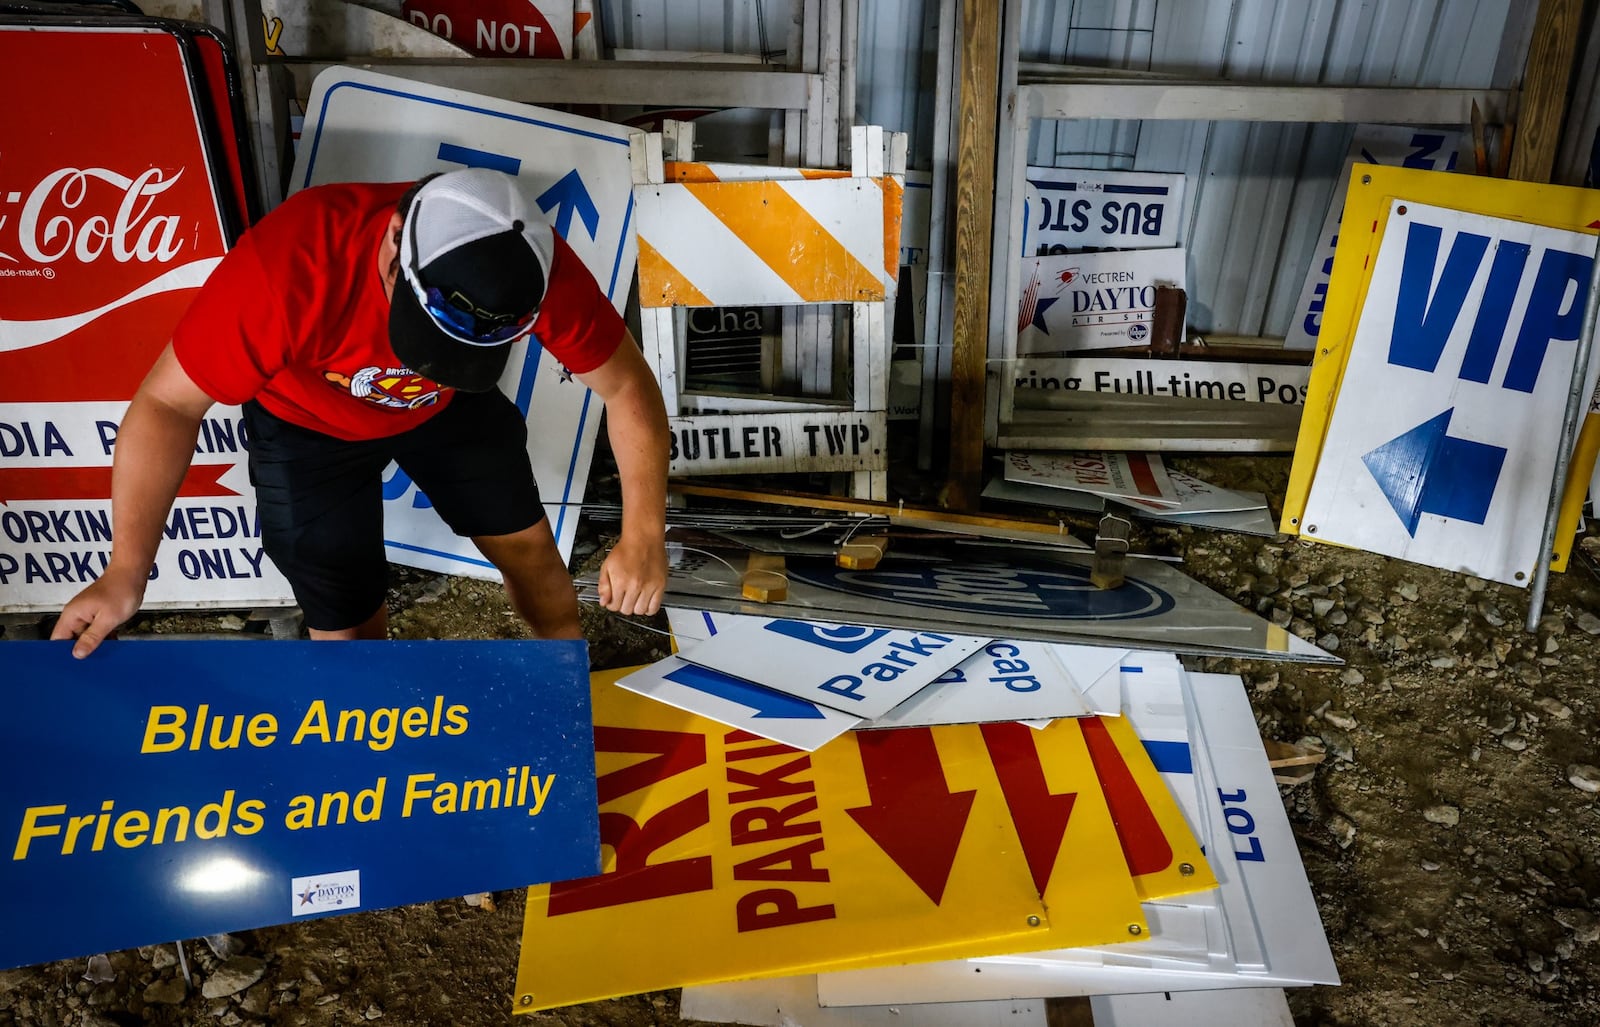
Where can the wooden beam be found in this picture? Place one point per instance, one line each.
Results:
(980, 88)
(1544, 89)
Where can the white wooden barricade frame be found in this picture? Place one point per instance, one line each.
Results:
(874, 154)
(1090, 97)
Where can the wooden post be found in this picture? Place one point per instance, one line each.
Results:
(1544, 89)
(980, 87)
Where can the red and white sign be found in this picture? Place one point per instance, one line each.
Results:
(500, 28)
(109, 222)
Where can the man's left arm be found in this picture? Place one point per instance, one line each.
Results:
(634, 574)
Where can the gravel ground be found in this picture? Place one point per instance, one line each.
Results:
(1450, 835)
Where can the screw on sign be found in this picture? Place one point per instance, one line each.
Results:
(498, 28)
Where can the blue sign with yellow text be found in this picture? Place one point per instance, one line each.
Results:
(161, 790)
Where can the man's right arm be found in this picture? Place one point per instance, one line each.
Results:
(155, 445)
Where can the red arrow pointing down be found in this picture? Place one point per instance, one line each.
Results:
(77, 483)
(1144, 844)
(914, 817)
(1039, 814)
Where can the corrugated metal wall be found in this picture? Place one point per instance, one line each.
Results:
(1257, 192)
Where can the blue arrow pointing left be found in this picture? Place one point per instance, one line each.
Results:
(767, 703)
(570, 196)
(1427, 471)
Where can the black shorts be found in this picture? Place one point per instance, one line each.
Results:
(320, 498)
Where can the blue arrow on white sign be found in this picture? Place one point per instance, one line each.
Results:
(570, 196)
(1427, 471)
(767, 703)
(739, 703)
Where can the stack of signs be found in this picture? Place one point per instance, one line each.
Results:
(805, 683)
(1433, 422)
(1095, 244)
(878, 848)
(1139, 481)
(122, 186)
(1258, 928)
(1009, 592)
(365, 127)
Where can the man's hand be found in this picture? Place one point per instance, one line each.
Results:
(99, 610)
(634, 576)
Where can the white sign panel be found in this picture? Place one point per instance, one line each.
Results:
(1071, 209)
(1442, 442)
(774, 443)
(1004, 680)
(1169, 379)
(1092, 301)
(1128, 476)
(863, 671)
(792, 1002)
(1268, 920)
(364, 127)
(1428, 149)
(738, 703)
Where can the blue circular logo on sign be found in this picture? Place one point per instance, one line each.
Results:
(1057, 593)
(1137, 332)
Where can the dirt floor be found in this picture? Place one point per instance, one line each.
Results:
(1450, 838)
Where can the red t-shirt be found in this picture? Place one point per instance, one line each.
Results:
(295, 316)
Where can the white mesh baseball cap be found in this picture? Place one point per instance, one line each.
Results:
(474, 262)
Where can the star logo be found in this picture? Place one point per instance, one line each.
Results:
(1038, 313)
(565, 374)
(305, 896)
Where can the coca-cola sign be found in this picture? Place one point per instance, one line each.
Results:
(110, 220)
(108, 216)
(84, 232)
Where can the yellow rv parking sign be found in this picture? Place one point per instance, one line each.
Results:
(728, 855)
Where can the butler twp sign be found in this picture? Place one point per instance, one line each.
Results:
(773, 443)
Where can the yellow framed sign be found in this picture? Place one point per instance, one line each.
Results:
(730, 856)
(1453, 302)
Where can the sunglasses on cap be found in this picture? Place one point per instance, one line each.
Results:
(457, 317)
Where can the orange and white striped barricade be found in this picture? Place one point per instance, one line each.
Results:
(714, 235)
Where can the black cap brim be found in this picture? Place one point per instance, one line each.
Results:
(425, 348)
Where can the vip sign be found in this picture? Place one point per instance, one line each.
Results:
(1423, 149)
(362, 127)
(1071, 209)
(758, 859)
(1091, 301)
(1443, 440)
(109, 222)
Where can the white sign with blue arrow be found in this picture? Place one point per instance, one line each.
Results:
(739, 703)
(1443, 438)
(365, 127)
